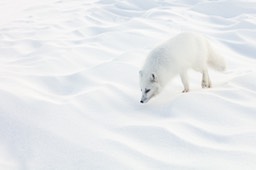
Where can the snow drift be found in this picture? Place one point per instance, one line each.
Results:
(69, 93)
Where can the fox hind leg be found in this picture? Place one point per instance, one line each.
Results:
(206, 82)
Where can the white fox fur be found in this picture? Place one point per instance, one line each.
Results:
(184, 51)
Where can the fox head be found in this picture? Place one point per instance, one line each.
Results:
(149, 86)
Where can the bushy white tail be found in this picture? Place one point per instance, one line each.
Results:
(215, 60)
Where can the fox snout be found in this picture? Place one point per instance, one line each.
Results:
(144, 99)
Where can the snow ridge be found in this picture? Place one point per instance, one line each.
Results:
(69, 93)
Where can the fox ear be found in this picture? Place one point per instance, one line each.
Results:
(153, 78)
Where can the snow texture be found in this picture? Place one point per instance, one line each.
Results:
(69, 91)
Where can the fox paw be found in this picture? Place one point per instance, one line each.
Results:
(185, 91)
(206, 84)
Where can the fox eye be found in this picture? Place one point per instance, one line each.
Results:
(147, 90)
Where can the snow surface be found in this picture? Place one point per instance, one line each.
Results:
(69, 93)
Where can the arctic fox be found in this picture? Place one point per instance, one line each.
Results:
(184, 51)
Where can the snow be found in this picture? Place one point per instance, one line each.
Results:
(69, 92)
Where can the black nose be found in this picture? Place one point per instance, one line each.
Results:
(141, 101)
